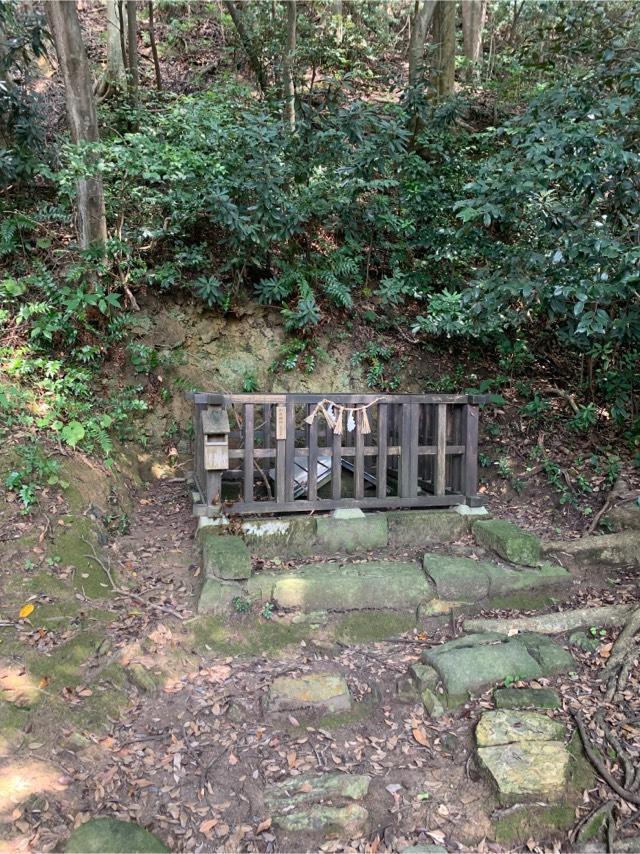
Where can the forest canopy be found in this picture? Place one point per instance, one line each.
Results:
(453, 172)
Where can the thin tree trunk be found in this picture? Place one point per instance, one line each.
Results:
(114, 78)
(154, 47)
(64, 25)
(473, 17)
(287, 66)
(122, 17)
(420, 20)
(444, 27)
(247, 43)
(337, 7)
(132, 30)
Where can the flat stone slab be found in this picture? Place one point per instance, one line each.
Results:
(111, 836)
(504, 727)
(322, 803)
(465, 580)
(527, 770)
(470, 664)
(225, 556)
(216, 596)
(327, 692)
(591, 552)
(526, 698)
(415, 528)
(336, 586)
(508, 541)
(351, 535)
(282, 538)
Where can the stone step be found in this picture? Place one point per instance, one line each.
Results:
(324, 692)
(339, 586)
(470, 664)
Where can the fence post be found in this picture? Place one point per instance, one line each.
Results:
(470, 485)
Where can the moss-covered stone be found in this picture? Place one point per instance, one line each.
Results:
(321, 803)
(337, 586)
(111, 836)
(508, 541)
(365, 626)
(526, 698)
(506, 726)
(226, 557)
(144, 679)
(526, 821)
(217, 596)
(340, 536)
(281, 538)
(415, 528)
(585, 642)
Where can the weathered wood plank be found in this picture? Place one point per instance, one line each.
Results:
(358, 463)
(470, 470)
(312, 456)
(414, 424)
(336, 466)
(381, 467)
(441, 459)
(391, 501)
(405, 444)
(280, 462)
(290, 451)
(247, 479)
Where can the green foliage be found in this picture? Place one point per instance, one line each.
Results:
(36, 470)
(241, 605)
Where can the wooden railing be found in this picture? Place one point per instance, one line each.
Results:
(420, 450)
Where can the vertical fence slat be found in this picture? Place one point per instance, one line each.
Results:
(336, 467)
(280, 454)
(290, 452)
(405, 457)
(414, 425)
(312, 469)
(381, 468)
(358, 461)
(441, 457)
(247, 475)
(266, 427)
(470, 471)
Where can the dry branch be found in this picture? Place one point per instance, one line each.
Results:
(555, 624)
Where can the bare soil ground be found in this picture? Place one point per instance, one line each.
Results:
(191, 760)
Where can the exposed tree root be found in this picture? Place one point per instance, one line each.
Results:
(555, 624)
(623, 656)
(630, 795)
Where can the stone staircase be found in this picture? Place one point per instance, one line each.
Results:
(369, 562)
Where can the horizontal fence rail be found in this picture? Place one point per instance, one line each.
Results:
(282, 453)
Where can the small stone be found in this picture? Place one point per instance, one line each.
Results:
(111, 836)
(503, 727)
(465, 510)
(433, 703)
(507, 540)
(423, 676)
(325, 691)
(551, 657)
(348, 513)
(527, 770)
(523, 698)
(328, 820)
(226, 557)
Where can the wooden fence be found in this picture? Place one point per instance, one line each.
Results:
(409, 450)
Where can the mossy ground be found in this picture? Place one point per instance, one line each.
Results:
(247, 635)
(363, 626)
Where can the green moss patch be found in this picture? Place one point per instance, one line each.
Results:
(517, 826)
(64, 666)
(364, 626)
(246, 636)
(71, 545)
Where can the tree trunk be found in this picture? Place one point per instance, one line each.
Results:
(132, 41)
(247, 43)
(337, 10)
(444, 31)
(114, 78)
(64, 25)
(420, 20)
(154, 47)
(473, 17)
(287, 66)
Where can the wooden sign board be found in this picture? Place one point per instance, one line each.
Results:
(281, 422)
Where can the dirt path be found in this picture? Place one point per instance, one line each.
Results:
(193, 749)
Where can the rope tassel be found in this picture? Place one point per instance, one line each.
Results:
(334, 415)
